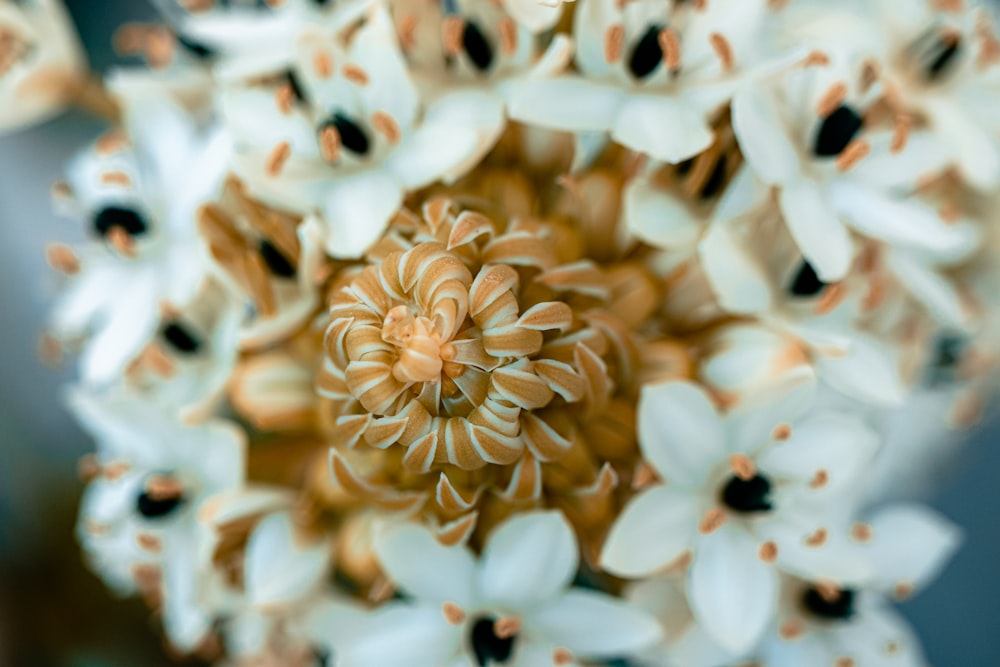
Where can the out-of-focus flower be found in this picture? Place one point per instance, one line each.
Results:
(137, 193)
(652, 73)
(824, 622)
(344, 136)
(741, 495)
(42, 67)
(509, 607)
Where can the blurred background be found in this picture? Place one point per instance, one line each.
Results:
(53, 612)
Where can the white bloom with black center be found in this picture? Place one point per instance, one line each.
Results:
(823, 623)
(512, 606)
(651, 73)
(138, 194)
(344, 135)
(743, 495)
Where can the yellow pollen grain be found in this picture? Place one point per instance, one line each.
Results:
(844, 662)
(768, 552)
(61, 258)
(322, 64)
(386, 125)
(831, 99)
(506, 627)
(407, 31)
(743, 467)
(452, 29)
(163, 487)
(670, 43)
(278, 157)
(329, 143)
(829, 591)
(614, 41)
(111, 141)
(723, 50)
(817, 539)
(115, 178)
(791, 629)
(149, 543)
(159, 361)
(861, 532)
(508, 36)
(712, 521)
(856, 151)
(114, 470)
(355, 74)
(562, 656)
(453, 613)
(284, 98)
(121, 241)
(782, 432)
(819, 480)
(88, 468)
(903, 590)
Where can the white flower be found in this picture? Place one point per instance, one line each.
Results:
(345, 137)
(511, 607)
(826, 624)
(193, 355)
(152, 473)
(139, 201)
(41, 63)
(802, 131)
(741, 494)
(652, 73)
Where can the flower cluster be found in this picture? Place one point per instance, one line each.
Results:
(431, 333)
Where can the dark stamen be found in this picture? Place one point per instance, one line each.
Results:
(352, 137)
(837, 131)
(114, 216)
(196, 49)
(475, 44)
(295, 85)
(806, 283)
(647, 54)
(181, 338)
(943, 60)
(716, 181)
(275, 260)
(489, 648)
(750, 495)
(840, 608)
(157, 508)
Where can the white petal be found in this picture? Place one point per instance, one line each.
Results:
(733, 592)
(594, 625)
(820, 235)
(933, 290)
(761, 137)
(680, 432)
(424, 567)
(443, 146)
(128, 327)
(868, 372)
(571, 104)
(357, 211)
(657, 217)
(278, 570)
(751, 424)
(664, 128)
(401, 635)
(839, 443)
(652, 531)
(533, 14)
(738, 280)
(910, 545)
(528, 559)
(924, 155)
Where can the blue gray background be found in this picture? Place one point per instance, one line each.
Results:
(60, 615)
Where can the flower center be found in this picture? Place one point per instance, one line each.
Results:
(488, 647)
(161, 495)
(806, 283)
(647, 54)
(351, 135)
(476, 45)
(276, 261)
(748, 495)
(422, 353)
(124, 218)
(837, 131)
(180, 338)
(835, 605)
(942, 56)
